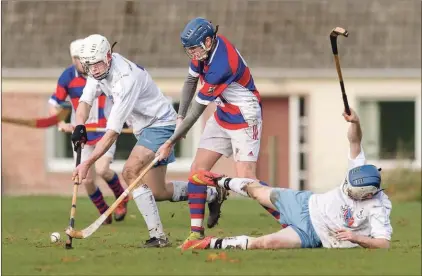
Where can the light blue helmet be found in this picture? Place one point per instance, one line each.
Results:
(363, 182)
(195, 33)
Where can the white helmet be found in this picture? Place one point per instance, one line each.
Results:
(95, 56)
(75, 47)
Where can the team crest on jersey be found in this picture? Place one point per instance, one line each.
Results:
(347, 215)
(211, 90)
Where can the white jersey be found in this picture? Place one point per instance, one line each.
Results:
(335, 210)
(136, 98)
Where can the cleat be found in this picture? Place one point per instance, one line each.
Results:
(202, 177)
(109, 220)
(121, 210)
(194, 236)
(156, 243)
(197, 244)
(215, 207)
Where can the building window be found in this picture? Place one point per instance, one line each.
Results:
(61, 155)
(389, 129)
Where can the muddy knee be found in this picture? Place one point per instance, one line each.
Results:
(129, 174)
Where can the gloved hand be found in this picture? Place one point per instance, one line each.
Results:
(79, 137)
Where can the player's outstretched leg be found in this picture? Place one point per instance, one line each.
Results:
(285, 238)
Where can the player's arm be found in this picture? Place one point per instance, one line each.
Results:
(58, 98)
(381, 230)
(212, 88)
(188, 91)
(86, 101)
(124, 102)
(368, 242)
(195, 112)
(354, 134)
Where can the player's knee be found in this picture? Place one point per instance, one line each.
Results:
(89, 182)
(102, 171)
(159, 194)
(195, 167)
(246, 170)
(129, 173)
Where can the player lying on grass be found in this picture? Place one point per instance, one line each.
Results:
(357, 213)
(137, 99)
(70, 85)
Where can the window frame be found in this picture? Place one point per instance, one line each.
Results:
(394, 163)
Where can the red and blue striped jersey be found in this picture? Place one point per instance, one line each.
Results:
(228, 82)
(71, 84)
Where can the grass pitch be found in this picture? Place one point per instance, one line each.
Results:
(28, 221)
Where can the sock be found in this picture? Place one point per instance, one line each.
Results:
(147, 206)
(197, 197)
(273, 212)
(115, 185)
(235, 184)
(239, 242)
(180, 192)
(98, 200)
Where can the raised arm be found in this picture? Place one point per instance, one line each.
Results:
(354, 134)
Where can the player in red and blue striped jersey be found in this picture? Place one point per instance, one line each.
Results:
(70, 85)
(235, 128)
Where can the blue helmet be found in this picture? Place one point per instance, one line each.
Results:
(363, 182)
(196, 31)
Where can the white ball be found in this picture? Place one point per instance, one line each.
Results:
(55, 237)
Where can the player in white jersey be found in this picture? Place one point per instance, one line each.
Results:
(70, 86)
(357, 213)
(137, 100)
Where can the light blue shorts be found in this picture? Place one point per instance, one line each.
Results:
(153, 137)
(294, 211)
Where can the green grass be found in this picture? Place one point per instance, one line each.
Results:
(28, 221)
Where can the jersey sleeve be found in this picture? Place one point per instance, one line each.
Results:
(61, 93)
(360, 160)
(90, 93)
(214, 84)
(379, 218)
(194, 68)
(125, 97)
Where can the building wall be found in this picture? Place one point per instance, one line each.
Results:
(25, 168)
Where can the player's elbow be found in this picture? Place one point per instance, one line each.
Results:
(382, 244)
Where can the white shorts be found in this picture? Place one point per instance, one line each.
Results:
(242, 143)
(88, 149)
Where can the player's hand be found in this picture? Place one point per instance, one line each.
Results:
(345, 235)
(352, 118)
(79, 137)
(64, 127)
(178, 122)
(80, 172)
(164, 151)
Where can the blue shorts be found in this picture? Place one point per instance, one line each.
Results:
(153, 137)
(294, 211)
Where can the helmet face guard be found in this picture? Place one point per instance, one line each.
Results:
(98, 70)
(198, 52)
(362, 182)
